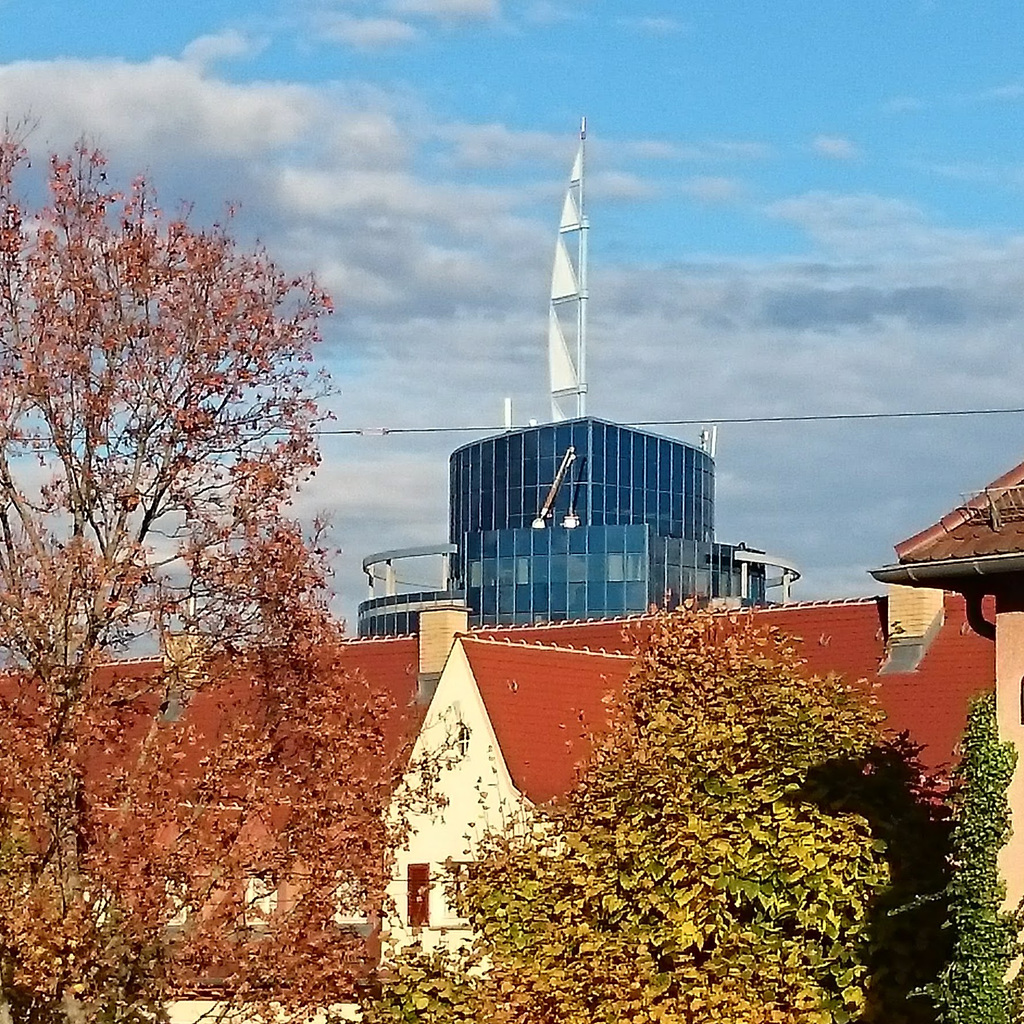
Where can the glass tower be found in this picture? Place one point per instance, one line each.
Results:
(578, 519)
(629, 526)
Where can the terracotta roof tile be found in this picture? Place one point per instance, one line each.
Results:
(543, 703)
(544, 700)
(976, 528)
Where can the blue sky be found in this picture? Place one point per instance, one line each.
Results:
(796, 208)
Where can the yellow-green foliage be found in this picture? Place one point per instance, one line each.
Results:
(422, 987)
(721, 859)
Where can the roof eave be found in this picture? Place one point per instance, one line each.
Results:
(950, 573)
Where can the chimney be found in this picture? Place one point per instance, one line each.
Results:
(439, 626)
(183, 662)
(915, 615)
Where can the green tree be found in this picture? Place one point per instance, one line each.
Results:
(972, 988)
(726, 855)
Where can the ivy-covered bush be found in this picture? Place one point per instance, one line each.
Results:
(972, 988)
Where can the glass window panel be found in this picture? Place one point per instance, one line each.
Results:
(490, 544)
(581, 437)
(501, 462)
(545, 444)
(522, 598)
(664, 466)
(559, 540)
(615, 538)
(615, 598)
(576, 569)
(625, 454)
(522, 569)
(653, 445)
(540, 541)
(506, 571)
(490, 571)
(540, 568)
(487, 510)
(578, 539)
(558, 600)
(616, 567)
(475, 573)
(506, 601)
(540, 598)
(563, 438)
(636, 597)
(557, 568)
(597, 444)
(637, 462)
(636, 537)
(651, 503)
(634, 568)
(624, 504)
(577, 601)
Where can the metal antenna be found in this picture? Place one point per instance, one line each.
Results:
(567, 317)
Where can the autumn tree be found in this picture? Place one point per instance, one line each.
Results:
(190, 824)
(743, 847)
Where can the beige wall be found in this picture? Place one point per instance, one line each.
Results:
(1009, 674)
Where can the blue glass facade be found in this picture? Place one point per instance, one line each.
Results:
(645, 506)
(631, 526)
(621, 477)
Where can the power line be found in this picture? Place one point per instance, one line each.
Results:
(808, 418)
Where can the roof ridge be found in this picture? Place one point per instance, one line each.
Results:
(139, 660)
(537, 645)
(823, 603)
(376, 639)
(561, 623)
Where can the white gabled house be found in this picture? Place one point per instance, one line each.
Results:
(505, 726)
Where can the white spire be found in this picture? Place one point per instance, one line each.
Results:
(567, 319)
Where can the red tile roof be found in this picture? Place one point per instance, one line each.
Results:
(544, 703)
(543, 700)
(974, 529)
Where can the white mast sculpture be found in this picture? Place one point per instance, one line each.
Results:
(567, 318)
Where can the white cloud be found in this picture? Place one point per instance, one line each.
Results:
(369, 138)
(368, 33)
(903, 105)
(227, 45)
(711, 151)
(712, 190)
(1008, 91)
(879, 227)
(655, 25)
(160, 104)
(449, 10)
(834, 147)
(496, 145)
(620, 186)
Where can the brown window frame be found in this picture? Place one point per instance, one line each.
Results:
(418, 897)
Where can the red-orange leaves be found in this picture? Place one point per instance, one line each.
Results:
(157, 409)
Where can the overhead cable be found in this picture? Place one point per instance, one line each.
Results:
(691, 422)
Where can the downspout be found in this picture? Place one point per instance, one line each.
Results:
(976, 618)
